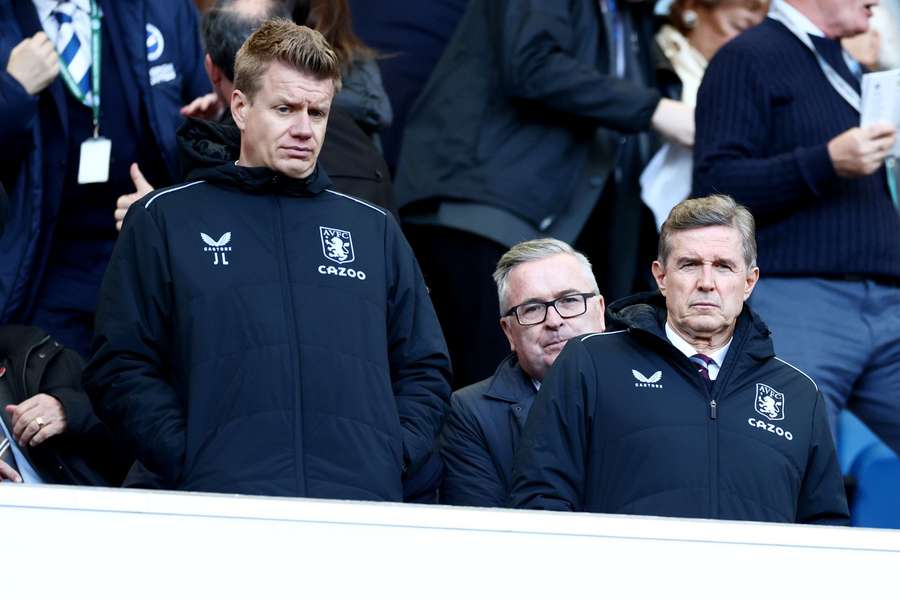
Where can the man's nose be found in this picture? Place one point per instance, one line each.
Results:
(707, 281)
(553, 320)
(302, 126)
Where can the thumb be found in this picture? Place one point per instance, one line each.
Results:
(140, 184)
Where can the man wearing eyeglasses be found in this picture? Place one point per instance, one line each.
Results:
(548, 294)
(685, 411)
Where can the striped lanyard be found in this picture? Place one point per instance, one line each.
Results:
(95, 71)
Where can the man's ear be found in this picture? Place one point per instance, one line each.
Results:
(659, 274)
(750, 281)
(601, 306)
(505, 326)
(239, 106)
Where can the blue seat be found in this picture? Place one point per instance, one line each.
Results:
(852, 438)
(877, 499)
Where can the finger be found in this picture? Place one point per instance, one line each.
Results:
(7, 473)
(30, 431)
(126, 200)
(190, 108)
(23, 419)
(47, 431)
(876, 131)
(140, 183)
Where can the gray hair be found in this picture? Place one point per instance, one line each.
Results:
(717, 209)
(533, 250)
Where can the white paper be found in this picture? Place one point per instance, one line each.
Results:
(881, 101)
(666, 180)
(93, 164)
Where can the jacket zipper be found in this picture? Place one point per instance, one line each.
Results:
(712, 409)
(290, 313)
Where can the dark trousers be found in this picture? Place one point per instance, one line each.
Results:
(458, 268)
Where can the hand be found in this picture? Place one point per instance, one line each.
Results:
(33, 63)
(204, 107)
(7, 473)
(142, 188)
(37, 419)
(674, 121)
(861, 151)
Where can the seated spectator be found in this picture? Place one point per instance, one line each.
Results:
(548, 294)
(685, 411)
(260, 333)
(48, 430)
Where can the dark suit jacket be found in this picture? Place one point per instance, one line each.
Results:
(481, 434)
(85, 454)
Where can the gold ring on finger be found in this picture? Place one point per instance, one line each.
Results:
(40, 422)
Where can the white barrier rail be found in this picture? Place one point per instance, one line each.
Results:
(61, 542)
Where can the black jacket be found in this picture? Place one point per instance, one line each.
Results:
(480, 436)
(625, 424)
(523, 112)
(265, 335)
(85, 454)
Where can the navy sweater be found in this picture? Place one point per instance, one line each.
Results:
(765, 114)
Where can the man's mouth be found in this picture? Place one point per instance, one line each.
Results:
(556, 344)
(297, 151)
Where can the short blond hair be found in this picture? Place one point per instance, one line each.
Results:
(281, 40)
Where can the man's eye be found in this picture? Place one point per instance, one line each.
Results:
(530, 309)
(283, 109)
(569, 301)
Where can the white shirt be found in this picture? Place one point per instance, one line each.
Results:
(81, 19)
(796, 17)
(718, 356)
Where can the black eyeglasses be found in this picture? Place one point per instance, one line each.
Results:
(533, 313)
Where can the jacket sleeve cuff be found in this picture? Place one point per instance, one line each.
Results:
(816, 168)
(19, 105)
(77, 407)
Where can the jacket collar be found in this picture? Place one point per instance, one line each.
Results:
(646, 312)
(262, 180)
(510, 383)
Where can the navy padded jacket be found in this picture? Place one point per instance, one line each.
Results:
(263, 335)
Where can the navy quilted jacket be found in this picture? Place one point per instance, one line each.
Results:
(625, 424)
(263, 335)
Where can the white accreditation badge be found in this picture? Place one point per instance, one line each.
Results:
(93, 163)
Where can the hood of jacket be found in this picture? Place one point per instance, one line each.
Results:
(205, 144)
(209, 150)
(647, 312)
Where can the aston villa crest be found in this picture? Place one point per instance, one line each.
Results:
(769, 403)
(337, 245)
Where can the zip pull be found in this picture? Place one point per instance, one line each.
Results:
(712, 408)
